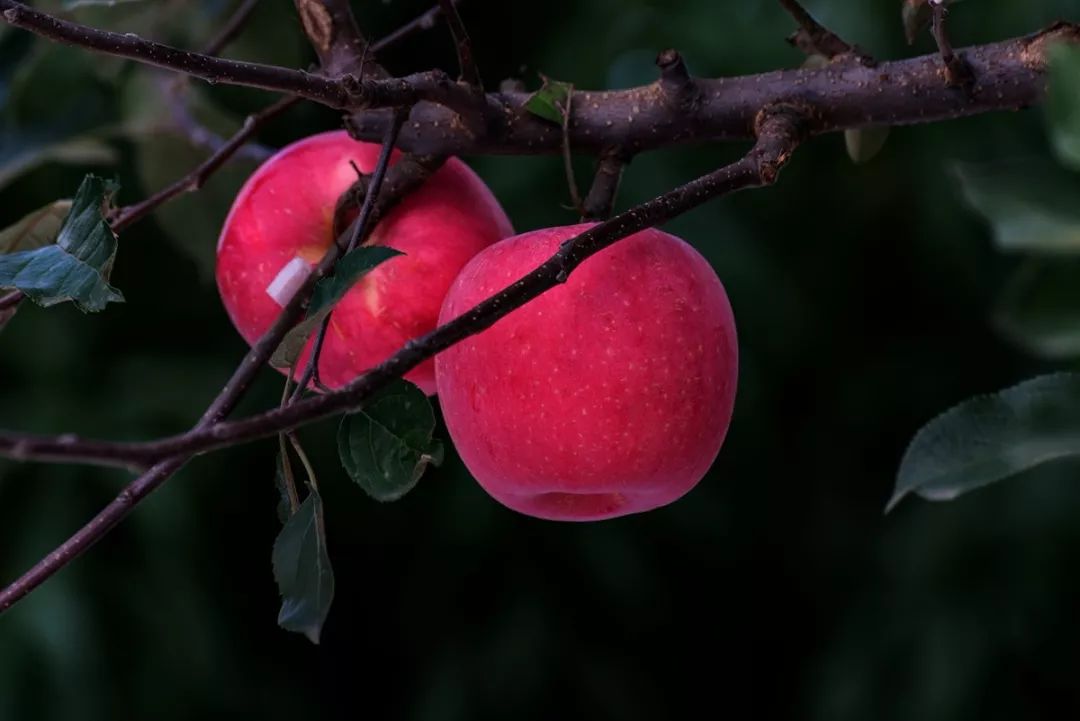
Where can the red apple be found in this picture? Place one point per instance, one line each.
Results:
(280, 227)
(606, 396)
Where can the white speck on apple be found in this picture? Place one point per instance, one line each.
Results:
(288, 280)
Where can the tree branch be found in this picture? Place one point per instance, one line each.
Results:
(424, 21)
(470, 73)
(341, 47)
(957, 72)
(164, 468)
(813, 38)
(605, 186)
(1008, 75)
(361, 227)
(346, 92)
(195, 179)
(780, 130)
(11, 300)
(231, 28)
(214, 70)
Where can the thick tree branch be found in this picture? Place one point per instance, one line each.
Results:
(1008, 76)
(780, 130)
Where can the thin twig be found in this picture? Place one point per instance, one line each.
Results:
(232, 27)
(568, 159)
(346, 92)
(11, 300)
(195, 179)
(309, 469)
(780, 132)
(957, 72)
(1009, 75)
(342, 49)
(360, 230)
(814, 38)
(470, 73)
(424, 21)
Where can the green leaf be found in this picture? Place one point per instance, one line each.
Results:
(35, 230)
(387, 444)
(76, 267)
(1040, 308)
(993, 437)
(1032, 205)
(328, 291)
(549, 102)
(864, 143)
(1063, 103)
(302, 570)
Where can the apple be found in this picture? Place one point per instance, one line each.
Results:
(607, 395)
(280, 225)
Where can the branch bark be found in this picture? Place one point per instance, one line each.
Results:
(341, 47)
(1007, 76)
(346, 92)
(814, 38)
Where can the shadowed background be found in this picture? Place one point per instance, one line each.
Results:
(865, 300)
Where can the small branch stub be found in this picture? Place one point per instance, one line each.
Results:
(675, 80)
(957, 71)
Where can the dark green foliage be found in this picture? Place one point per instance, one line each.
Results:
(302, 570)
(75, 267)
(387, 444)
(993, 437)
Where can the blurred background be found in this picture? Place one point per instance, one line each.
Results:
(866, 299)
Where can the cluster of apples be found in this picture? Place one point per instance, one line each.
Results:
(608, 395)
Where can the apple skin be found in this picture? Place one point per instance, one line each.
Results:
(608, 395)
(285, 211)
